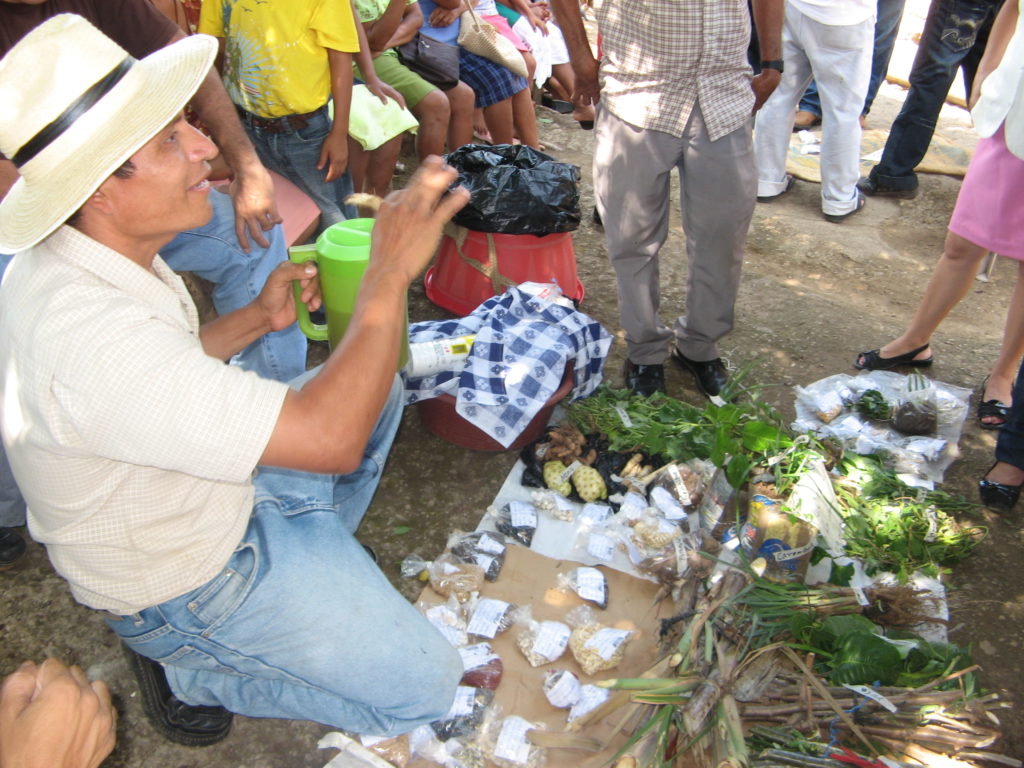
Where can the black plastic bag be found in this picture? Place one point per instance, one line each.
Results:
(516, 190)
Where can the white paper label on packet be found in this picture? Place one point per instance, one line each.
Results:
(591, 697)
(476, 655)
(449, 568)
(605, 642)
(565, 692)
(667, 504)
(792, 554)
(490, 545)
(595, 514)
(872, 694)
(512, 744)
(565, 506)
(933, 524)
(693, 521)
(487, 617)
(568, 472)
(463, 703)
(590, 584)
(624, 417)
(600, 546)
(679, 484)
(522, 514)
(682, 556)
(551, 639)
(632, 505)
(451, 634)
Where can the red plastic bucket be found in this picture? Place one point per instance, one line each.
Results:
(439, 416)
(461, 282)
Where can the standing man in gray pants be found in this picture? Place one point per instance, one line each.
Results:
(675, 91)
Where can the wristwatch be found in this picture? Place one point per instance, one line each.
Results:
(773, 64)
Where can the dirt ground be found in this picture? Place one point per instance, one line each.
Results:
(813, 295)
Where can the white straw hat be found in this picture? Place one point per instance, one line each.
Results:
(75, 107)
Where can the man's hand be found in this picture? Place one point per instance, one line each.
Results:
(53, 717)
(410, 220)
(587, 90)
(536, 21)
(276, 301)
(763, 85)
(443, 17)
(252, 193)
(334, 155)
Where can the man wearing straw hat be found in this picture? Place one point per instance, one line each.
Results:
(137, 448)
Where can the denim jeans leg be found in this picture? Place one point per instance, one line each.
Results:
(1010, 445)
(213, 253)
(887, 25)
(301, 624)
(950, 31)
(811, 101)
(295, 154)
(350, 495)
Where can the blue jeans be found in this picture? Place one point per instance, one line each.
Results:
(887, 24)
(1010, 445)
(954, 36)
(300, 623)
(212, 252)
(295, 153)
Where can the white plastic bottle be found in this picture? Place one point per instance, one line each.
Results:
(428, 358)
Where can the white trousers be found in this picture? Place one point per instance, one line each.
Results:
(838, 58)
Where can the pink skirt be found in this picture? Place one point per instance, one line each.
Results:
(990, 208)
(500, 23)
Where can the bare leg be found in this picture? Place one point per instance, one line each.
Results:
(499, 121)
(460, 126)
(433, 112)
(357, 162)
(480, 125)
(1007, 474)
(382, 166)
(952, 279)
(525, 118)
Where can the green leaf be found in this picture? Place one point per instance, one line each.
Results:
(401, 530)
(762, 438)
(864, 657)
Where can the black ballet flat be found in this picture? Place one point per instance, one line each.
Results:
(996, 496)
(873, 360)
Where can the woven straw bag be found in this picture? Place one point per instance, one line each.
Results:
(481, 38)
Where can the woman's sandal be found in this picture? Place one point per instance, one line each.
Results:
(873, 360)
(998, 496)
(991, 409)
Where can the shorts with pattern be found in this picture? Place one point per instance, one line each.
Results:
(490, 82)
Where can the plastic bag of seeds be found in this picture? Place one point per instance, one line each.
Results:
(451, 576)
(653, 533)
(541, 642)
(675, 491)
(393, 749)
(587, 582)
(482, 667)
(595, 647)
(489, 617)
(561, 688)
(517, 519)
(507, 745)
(466, 713)
(595, 538)
(554, 504)
(448, 620)
(485, 548)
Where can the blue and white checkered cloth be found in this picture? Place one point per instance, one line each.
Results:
(523, 343)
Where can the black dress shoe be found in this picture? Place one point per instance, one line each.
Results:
(872, 188)
(711, 375)
(998, 496)
(644, 379)
(12, 547)
(174, 719)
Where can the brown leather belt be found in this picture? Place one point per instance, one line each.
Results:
(284, 124)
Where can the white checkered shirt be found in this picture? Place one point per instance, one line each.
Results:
(132, 447)
(660, 57)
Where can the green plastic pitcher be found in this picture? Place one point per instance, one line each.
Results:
(341, 253)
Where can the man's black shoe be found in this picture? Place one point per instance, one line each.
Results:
(12, 547)
(173, 718)
(644, 379)
(711, 375)
(872, 188)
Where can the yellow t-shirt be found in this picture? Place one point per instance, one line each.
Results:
(275, 55)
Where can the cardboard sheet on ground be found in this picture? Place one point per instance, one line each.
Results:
(528, 578)
(949, 153)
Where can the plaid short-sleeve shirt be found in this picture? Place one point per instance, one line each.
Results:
(663, 56)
